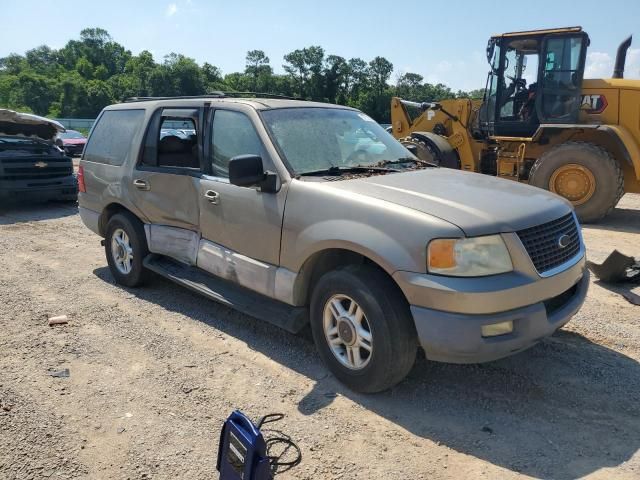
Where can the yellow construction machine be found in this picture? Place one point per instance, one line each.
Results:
(539, 122)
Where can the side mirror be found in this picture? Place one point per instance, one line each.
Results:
(247, 171)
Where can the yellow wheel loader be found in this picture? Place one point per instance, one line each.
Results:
(539, 122)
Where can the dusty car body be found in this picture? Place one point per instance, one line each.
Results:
(32, 167)
(379, 252)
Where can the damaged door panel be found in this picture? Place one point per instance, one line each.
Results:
(166, 182)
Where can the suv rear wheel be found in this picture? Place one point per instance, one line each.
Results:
(125, 247)
(362, 328)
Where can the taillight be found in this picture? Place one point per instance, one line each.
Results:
(81, 186)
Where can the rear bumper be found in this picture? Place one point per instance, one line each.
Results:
(90, 219)
(456, 337)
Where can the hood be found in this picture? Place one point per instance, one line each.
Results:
(28, 125)
(478, 204)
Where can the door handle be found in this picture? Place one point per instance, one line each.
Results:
(212, 196)
(141, 184)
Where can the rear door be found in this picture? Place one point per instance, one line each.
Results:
(165, 183)
(560, 74)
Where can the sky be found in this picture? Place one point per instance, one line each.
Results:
(443, 43)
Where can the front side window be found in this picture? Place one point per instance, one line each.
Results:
(313, 139)
(111, 138)
(519, 86)
(233, 135)
(178, 143)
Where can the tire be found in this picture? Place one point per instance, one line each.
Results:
(423, 151)
(136, 274)
(438, 147)
(608, 178)
(385, 315)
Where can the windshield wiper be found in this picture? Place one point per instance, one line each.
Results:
(335, 170)
(406, 160)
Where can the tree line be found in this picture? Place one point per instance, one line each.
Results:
(87, 74)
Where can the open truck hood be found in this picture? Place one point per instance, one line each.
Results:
(28, 125)
(478, 204)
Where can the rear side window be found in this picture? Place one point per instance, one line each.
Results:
(111, 138)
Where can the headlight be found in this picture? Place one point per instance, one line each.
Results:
(468, 257)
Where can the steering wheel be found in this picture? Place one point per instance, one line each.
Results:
(520, 82)
(357, 156)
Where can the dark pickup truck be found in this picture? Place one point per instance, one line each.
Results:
(32, 167)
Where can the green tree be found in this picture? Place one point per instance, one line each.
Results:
(336, 74)
(409, 86)
(84, 68)
(258, 69)
(93, 70)
(296, 66)
(212, 77)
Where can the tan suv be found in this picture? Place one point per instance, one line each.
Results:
(298, 212)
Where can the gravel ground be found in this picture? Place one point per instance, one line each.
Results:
(155, 371)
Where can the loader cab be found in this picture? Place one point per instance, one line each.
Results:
(535, 77)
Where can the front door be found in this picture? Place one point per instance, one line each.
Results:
(241, 227)
(561, 72)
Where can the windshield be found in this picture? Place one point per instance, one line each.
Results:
(70, 134)
(313, 139)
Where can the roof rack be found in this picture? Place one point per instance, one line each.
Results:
(215, 94)
(539, 32)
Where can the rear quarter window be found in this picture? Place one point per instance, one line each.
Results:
(111, 138)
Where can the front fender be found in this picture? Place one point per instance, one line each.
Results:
(318, 217)
(358, 237)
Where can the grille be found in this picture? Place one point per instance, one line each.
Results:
(542, 243)
(24, 168)
(35, 173)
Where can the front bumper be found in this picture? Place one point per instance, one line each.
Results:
(73, 150)
(63, 188)
(456, 337)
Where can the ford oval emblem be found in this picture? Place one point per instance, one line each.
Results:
(564, 241)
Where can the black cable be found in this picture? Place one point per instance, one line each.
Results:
(274, 460)
(271, 417)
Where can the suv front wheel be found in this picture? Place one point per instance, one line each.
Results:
(125, 247)
(362, 328)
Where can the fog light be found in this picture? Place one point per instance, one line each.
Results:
(496, 329)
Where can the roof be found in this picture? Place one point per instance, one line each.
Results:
(257, 103)
(28, 125)
(533, 33)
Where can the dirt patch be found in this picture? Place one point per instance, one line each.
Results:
(153, 373)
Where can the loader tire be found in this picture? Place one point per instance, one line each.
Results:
(423, 151)
(583, 173)
(434, 148)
